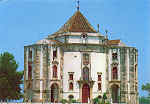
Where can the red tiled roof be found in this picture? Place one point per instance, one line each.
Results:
(77, 23)
(113, 42)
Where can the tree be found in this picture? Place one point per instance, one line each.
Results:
(101, 100)
(146, 88)
(104, 97)
(10, 78)
(144, 100)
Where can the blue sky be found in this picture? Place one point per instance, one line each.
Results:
(23, 22)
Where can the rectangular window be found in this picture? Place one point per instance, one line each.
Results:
(71, 86)
(99, 87)
(54, 71)
(30, 65)
(29, 71)
(54, 53)
(85, 59)
(99, 78)
(114, 73)
(70, 76)
(30, 54)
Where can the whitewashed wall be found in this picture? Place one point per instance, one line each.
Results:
(78, 39)
(72, 63)
(74, 39)
(93, 40)
(98, 64)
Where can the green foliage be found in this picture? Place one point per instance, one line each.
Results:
(96, 100)
(146, 88)
(104, 96)
(64, 101)
(73, 101)
(144, 100)
(101, 100)
(10, 78)
(70, 101)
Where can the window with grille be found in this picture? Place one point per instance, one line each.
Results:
(70, 76)
(30, 54)
(114, 56)
(29, 71)
(30, 65)
(54, 71)
(99, 87)
(85, 59)
(86, 73)
(99, 78)
(54, 54)
(70, 86)
(114, 73)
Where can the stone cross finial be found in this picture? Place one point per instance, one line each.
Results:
(78, 7)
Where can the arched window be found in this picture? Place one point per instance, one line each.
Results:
(71, 86)
(114, 73)
(54, 71)
(86, 73)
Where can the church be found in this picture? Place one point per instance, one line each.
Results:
(78, 62)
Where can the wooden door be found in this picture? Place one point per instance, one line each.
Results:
(85, 93)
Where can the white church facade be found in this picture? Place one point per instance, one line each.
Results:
(78, 62)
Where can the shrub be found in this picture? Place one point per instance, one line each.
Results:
(64, 101)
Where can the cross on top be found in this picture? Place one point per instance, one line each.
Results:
(78, 2)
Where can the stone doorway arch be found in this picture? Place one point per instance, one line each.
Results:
(115, 93)
(54, 92)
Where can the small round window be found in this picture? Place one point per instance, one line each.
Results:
(84, 35)
(70, 97)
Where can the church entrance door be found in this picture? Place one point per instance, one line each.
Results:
(54, 92)
(85, 93)
(115, 93)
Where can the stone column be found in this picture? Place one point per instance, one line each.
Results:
(80, 92)
(25, 72)
(27, 54)
(109, 63)
(128, 74)
(119, 72)
(49, 72)
(91, 93)
(41, 73)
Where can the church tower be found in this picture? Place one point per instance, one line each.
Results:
(79, 63)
